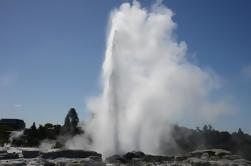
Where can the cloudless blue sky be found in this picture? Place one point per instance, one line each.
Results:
(51, 54)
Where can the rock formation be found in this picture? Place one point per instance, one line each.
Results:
(66, 157)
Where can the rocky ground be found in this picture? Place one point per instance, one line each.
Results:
(62, 157)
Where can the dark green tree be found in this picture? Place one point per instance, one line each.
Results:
(210, 128)
(48, 126)
(71, 121)
(240, 132)
(205, 128)
(33, 127)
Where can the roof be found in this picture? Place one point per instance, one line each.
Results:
(11, 121)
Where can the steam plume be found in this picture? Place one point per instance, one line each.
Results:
(147, 82)
(15, 135)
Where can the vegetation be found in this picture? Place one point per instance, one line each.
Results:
(4, 134)
(180, 140)
(185, 140)
(71, 123)
(33, 136)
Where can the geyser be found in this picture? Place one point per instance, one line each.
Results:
(147, 82)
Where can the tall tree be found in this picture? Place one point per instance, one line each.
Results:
(71, 121)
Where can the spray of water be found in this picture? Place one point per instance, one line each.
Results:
(147, 82)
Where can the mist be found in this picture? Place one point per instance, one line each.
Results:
(148, 82)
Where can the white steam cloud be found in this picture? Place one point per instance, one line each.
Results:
(47, 144)
(16, 135)
(148, 82)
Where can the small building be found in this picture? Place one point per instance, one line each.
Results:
(13, 124)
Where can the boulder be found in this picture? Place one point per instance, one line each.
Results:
(180, 158)
(151, 158)
(232, 157)
(8, 156)
(95, 158)
(73, 162)
(116, 159)
(3, 151)
(198, 162)
(134, 154)
(211, 152)
(15, 162)
(47, 163)
(205, 156)
(221, 162)
(30, 153)
(136, 162)
(214, 158)
(34, 161)
(69, 154)
(242, 162)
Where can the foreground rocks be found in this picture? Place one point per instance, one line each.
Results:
(65, 157)
(213, 157)
(70, 154)
(55, 157)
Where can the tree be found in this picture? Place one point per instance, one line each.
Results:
(48, 126)
(205, 128)
(198, 129)
(33, 127)
(240, 132)
(210, 128)
(71, 121)
(31, 136)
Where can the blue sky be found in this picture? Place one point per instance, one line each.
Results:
(51, 54)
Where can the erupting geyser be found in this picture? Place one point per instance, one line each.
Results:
(147, 82)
